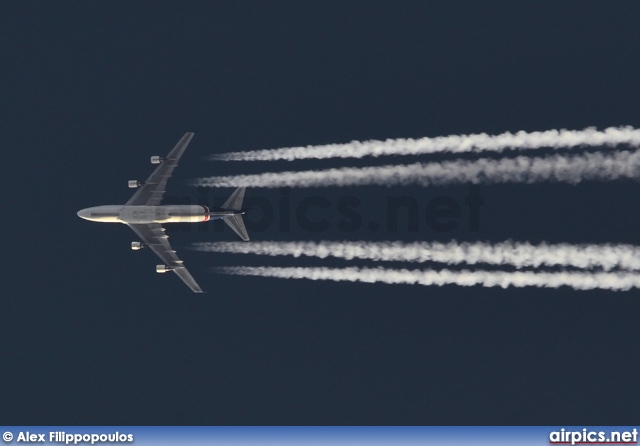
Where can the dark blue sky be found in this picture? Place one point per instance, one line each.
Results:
(91, 335)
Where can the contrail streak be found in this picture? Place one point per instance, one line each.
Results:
(589, 137)
(554, 168)
(519, 255)
(576, 280)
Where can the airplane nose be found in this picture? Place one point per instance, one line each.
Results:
(84, 213)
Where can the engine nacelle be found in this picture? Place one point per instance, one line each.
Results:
(134, 183)
(162, 269)
(157, 159)
(137, 245)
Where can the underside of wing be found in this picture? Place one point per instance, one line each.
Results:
(151, 192)
(188, 279)
(153, 236)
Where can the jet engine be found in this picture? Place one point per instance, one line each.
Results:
(137, 245)
(162, 269)
(134, 183)
(157, 159)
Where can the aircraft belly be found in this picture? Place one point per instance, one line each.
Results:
(163, 214)
(184, 219)
(137, 215)
(161, 218)
(181, 214)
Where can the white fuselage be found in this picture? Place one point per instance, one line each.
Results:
(149, 214)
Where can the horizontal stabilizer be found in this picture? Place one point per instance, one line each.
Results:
(235, 222)
(234, 202)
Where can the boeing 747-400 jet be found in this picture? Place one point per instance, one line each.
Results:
(145, 215)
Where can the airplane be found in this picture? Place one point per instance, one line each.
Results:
(145, 215)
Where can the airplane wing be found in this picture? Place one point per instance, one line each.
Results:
(151, 192)
(153, 235)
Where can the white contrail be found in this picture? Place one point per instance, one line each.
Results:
(554, 168)
(589, 137)
(576, 280)
(519, 255)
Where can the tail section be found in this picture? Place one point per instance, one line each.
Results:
(234, 203)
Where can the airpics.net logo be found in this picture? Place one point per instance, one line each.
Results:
(587, 436)
(67, 438)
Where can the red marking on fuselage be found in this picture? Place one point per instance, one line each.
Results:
(207, 217)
